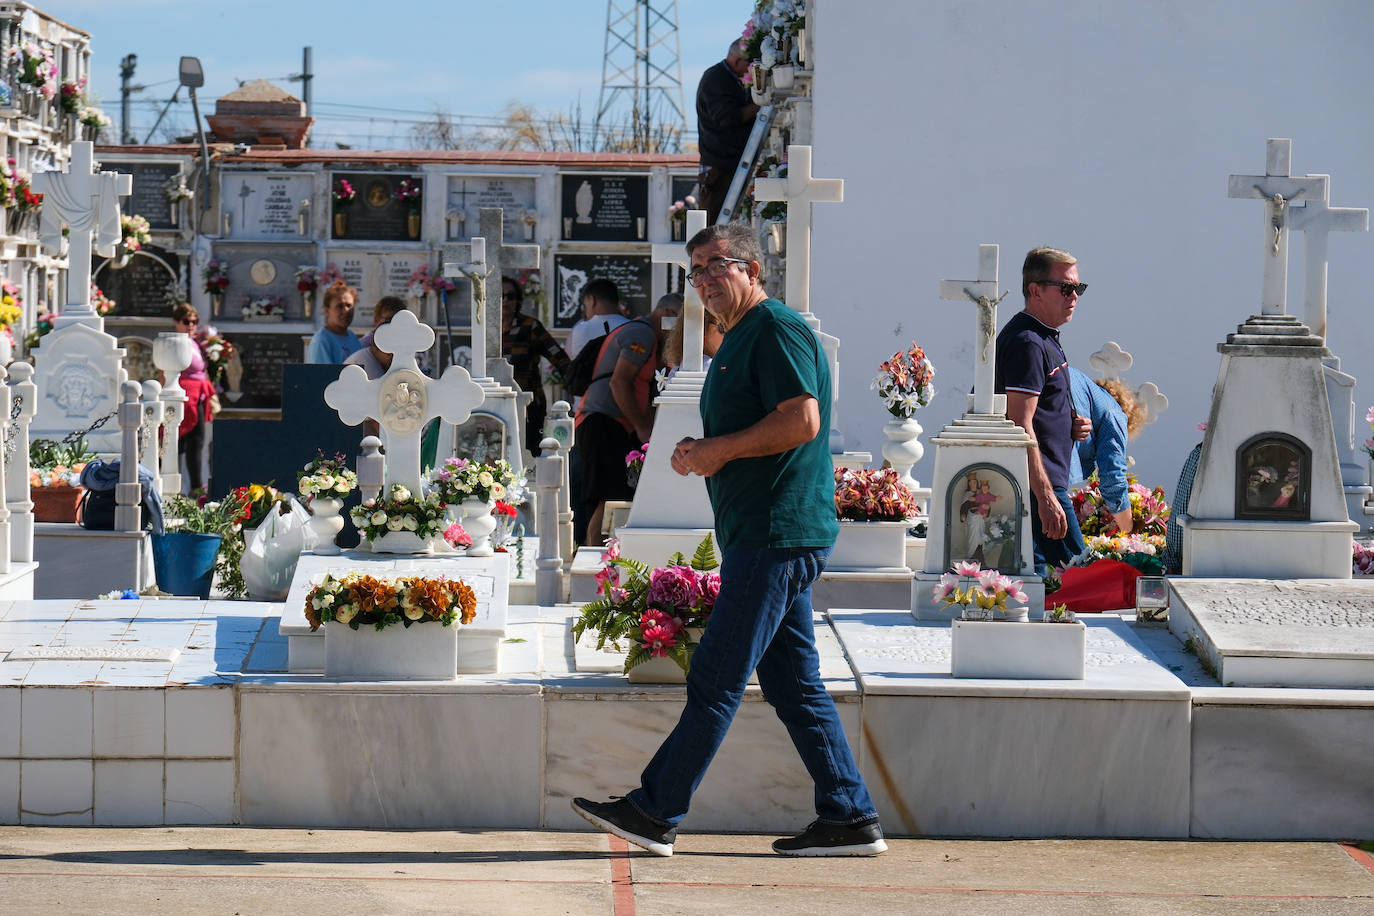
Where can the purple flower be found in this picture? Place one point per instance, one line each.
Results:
(709, 586)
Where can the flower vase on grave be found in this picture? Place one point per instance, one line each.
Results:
(678, 228)
(413, 225)
(340, 225)
(783, 75)
(121, 257)
(12, 218)
(477, 522)
(216, 304)
(68, 127)
(308, 303)
(325, 524)
(903, 447)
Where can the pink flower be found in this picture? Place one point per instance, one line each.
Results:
(456, 536)
(1369, 417)
(967, 568)
(619, 594)
(612, 551)
(673, 587)
(709, 586)
(606, 576)
(658, 632)
(1202, 427)
(945, 590)
(1015, 590)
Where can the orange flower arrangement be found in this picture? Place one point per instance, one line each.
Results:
(356, 600)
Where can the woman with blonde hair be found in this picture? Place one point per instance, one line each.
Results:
(334, 342)
(195, 381)
(713, 332)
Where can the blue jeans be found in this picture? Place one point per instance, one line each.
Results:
(1055, 552)
(761, 621)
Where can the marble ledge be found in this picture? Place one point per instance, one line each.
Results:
(896, 655)
(1283, 696)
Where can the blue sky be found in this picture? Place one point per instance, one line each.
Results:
(375, 73)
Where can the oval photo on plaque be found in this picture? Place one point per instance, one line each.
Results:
(263, 272)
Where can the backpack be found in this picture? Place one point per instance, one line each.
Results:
(582, 370)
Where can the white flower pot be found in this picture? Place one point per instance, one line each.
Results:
(426, 651)
(869, 545)
(401, 542)
(1007, 649)
(665, 670)
(479, 525)
(903, 448)
(325, 524)
(783, 75)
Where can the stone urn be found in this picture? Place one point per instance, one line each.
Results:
(903, 448)
(326, 523)
(475, 517)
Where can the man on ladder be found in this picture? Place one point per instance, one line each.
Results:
(725, 118)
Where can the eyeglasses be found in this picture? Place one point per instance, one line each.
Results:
(715, 269)
(188, 321)
(1066, 289)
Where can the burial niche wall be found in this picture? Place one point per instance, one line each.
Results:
(1274, 478)
(983, 519)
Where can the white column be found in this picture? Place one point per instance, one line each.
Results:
(549, 479)
(20, 407)
(128, 494)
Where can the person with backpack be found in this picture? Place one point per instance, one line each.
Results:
(601, 315)
(616, 414)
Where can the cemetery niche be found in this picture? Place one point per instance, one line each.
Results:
(254, 379)
(633, 274)
(150, 198)
(468, 195)
(262, 280)
(258, 205)
(982, 524)
(605, 208)
(375, 212)
(1274, 478)
(146, 287)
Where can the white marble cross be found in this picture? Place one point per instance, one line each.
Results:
(800, 191)
(469, 259)
(500, 257)
(693, 332)
(88, 204)
(1278, 189)
(1315, 219)
(982, 293)
(403, 400)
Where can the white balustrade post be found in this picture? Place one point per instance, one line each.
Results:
(548, 480)
(560, 427)
(21, 407)
(4, 509)
(150, 438)
(128, 494)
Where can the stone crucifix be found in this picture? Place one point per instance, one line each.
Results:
(800, 191)
(982, 293)
(1279, 190)
(693, 329)
(1315, 219)
(500, 257)
(88, 204)
(403, 400)
(469, 259)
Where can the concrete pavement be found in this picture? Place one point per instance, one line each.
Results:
(155, 870)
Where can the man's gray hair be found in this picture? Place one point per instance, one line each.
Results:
(740, 241)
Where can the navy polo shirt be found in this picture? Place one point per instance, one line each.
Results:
(1031, 361)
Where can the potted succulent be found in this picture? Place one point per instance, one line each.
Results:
(54, 471)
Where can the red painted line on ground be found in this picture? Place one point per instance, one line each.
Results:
(1359, 855)
(622, 882)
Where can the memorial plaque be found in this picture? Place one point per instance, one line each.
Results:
(682, 187)
(467, 196)
(633, 274)
(375, 213)
(482, 438)
(261, 205)
(375, 274)
(258, 271)
(605, 208)
(149, 198)
(146, 287)
(262, 356)
(984, 520)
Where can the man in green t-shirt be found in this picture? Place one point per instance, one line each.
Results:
(766, 415)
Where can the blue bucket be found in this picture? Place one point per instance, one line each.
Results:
(185, 563)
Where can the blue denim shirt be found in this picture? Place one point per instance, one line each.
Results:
(1105, 447)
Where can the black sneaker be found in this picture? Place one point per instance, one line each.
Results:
(623, 819)
(822, 839)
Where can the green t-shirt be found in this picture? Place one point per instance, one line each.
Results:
(782, 500)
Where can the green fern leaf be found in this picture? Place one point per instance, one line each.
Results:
(704, 559)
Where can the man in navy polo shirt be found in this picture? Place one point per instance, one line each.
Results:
(1033, 372)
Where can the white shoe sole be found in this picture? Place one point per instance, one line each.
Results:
(861, 849)
(658, 849)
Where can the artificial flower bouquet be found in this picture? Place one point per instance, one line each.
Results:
(57, 464)
(425, 279)
(356, 600)
(401, 510)
(651, 610)
(217, 352)
(904, 382)
(634, 463)
(307, 278)
(458, 479)
(344, 194)
(410, 192)
(981, 592)
(326, 477)
(136, 231)
(259, 501)
(1361, 559)
(876, 495)
(216, 277)
(1149, 511)
(71, 95)
(678, 211)
(263, 308)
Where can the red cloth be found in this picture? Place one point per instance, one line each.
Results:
(1103, 585)
(198, 391)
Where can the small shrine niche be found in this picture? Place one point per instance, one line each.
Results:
(983, 522)
(1274, 478)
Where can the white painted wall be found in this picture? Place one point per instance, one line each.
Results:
(1105, 128)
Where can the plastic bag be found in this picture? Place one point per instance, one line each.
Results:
(272, 551)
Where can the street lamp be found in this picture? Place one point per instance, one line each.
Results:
(193, 77)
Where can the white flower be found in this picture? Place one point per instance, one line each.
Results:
(410, 523)
(395, 523)
(413, 612)
(342, 486)
(323, 601)
(346, 612)
(497, 491)
(379, 518)
(400, 494)
(485, 479)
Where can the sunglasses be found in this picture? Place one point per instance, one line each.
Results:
(188, 321)
(1066, 289)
